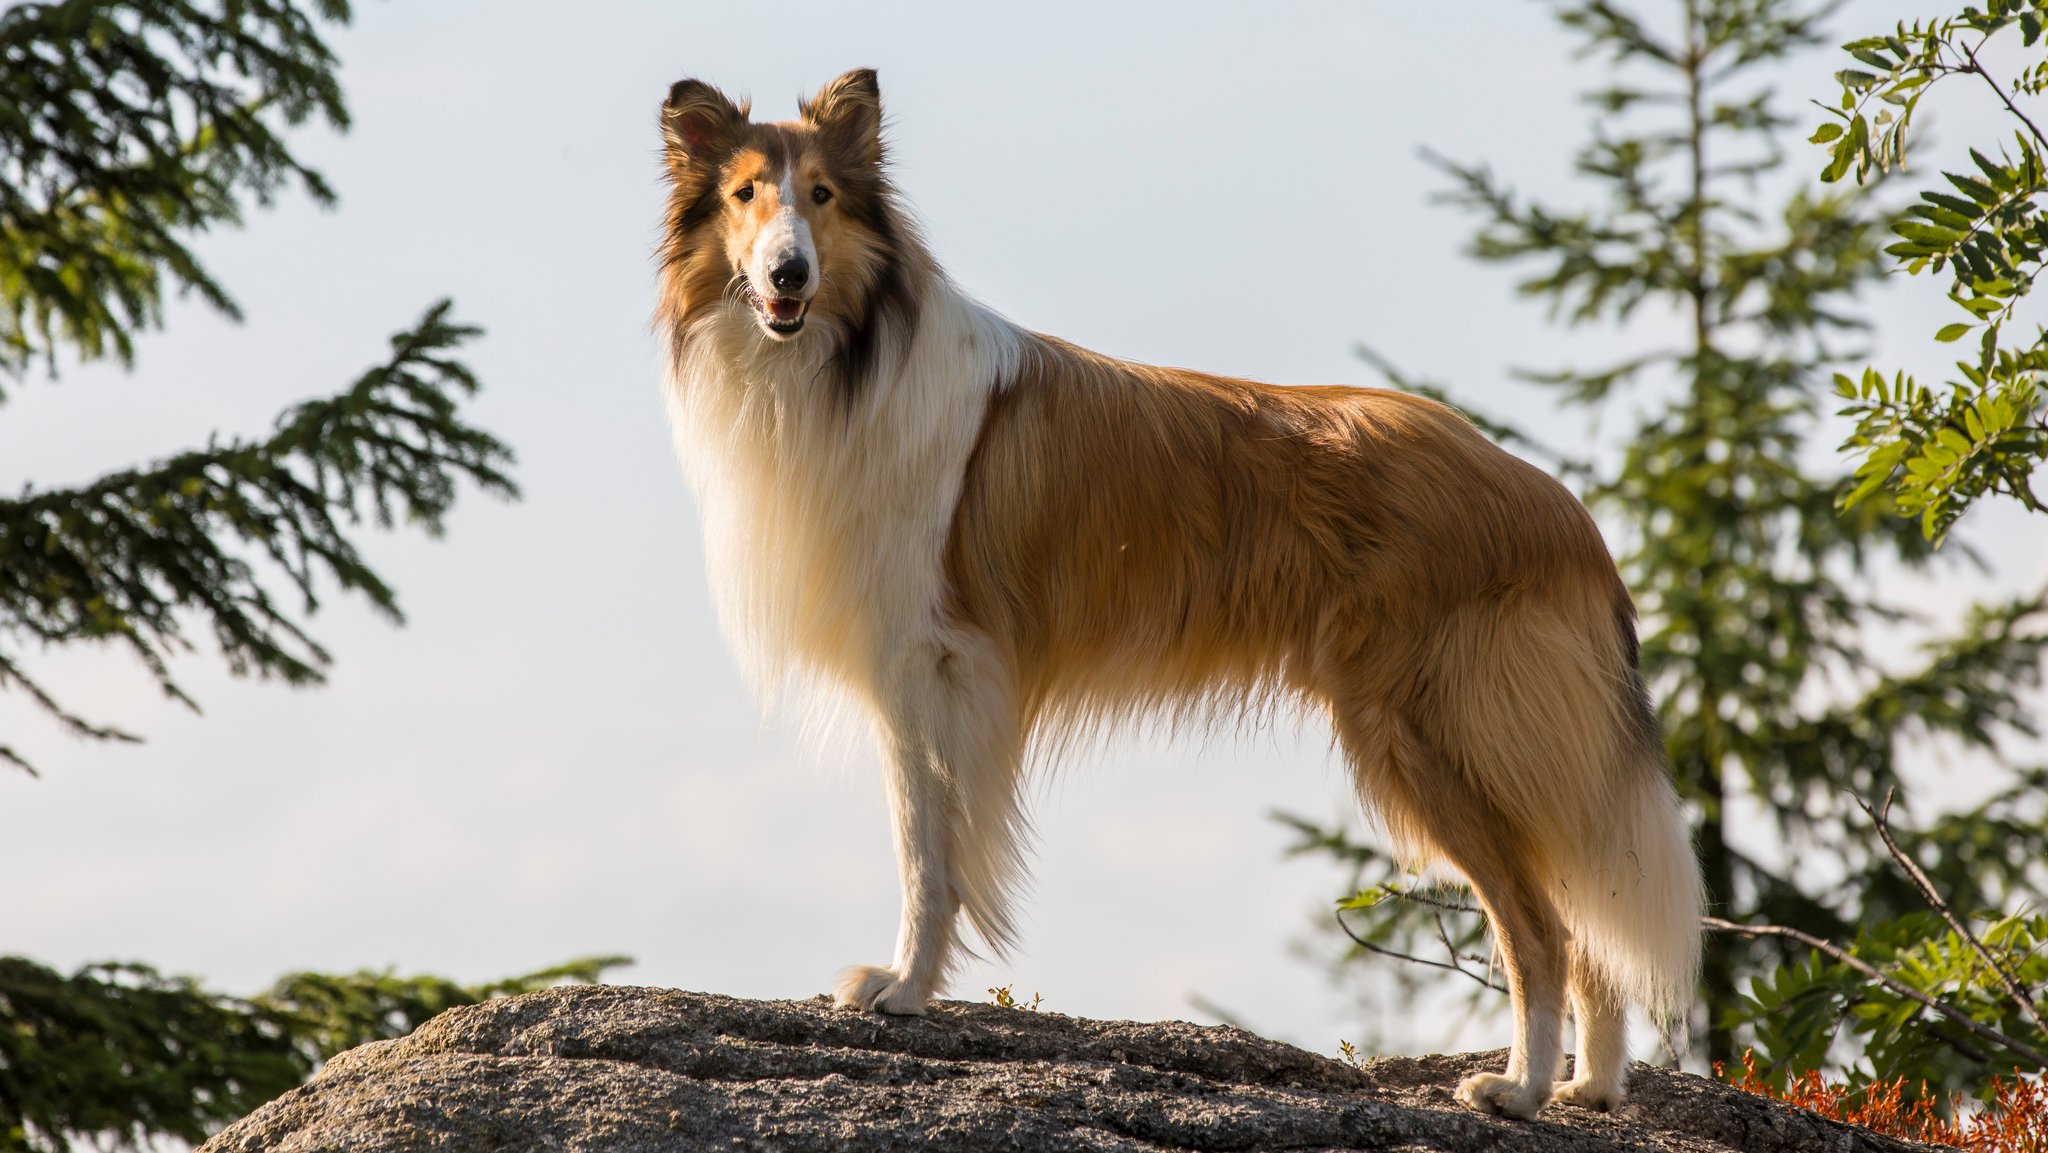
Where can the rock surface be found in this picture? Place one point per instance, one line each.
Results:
(620, 1070)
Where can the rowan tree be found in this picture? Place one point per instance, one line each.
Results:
(1985, 432)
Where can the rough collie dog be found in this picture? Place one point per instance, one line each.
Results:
(996, 542)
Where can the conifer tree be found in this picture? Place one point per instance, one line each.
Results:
(121, 1054)
(1756, 594)
(128, 128)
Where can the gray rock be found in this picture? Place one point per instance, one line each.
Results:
(621, 1070)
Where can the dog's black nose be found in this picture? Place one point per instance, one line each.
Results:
(790, 275)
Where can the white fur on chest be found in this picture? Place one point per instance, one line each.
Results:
(825, 523)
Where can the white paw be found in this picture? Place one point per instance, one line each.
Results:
(1494, 1094)
(873, 989)
(1587, 1095)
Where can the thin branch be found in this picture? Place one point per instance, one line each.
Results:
(1926, 887)
(1382, 950)
(1438, 902)
(1444, 935)
(1842, 955)
(2000, 90)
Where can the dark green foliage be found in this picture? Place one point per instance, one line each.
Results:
(124, 1051)
(1802, 1014)
(124, 129)
(127, 128)
(1755, 592)
(122, 1054)
(328, 1013)
(1935, 451)
(132, 556)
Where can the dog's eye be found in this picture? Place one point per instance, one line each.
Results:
(821, 194)
(743, 193)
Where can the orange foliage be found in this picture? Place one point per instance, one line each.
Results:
(2016, 1120)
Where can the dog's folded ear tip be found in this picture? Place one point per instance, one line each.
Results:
(700, 119)
(691, 90)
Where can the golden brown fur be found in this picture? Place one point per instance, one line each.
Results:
(1224, 534)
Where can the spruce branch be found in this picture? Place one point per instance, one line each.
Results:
(128, 558)
(120, 1055)
(126, 127)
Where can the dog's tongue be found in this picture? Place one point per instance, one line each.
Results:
(783, 308)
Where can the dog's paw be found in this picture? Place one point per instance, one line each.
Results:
(1588, 1095)
(1501, 1096)
(873, 989)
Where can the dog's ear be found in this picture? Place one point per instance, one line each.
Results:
(700, 124)
(848, 116)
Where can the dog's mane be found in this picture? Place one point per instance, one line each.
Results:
(886, 325)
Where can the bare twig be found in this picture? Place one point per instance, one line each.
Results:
(1444, 935)
(1998, 88)
(2018, 995)
(1438, 902)
(1842, 955)
(1452, 965)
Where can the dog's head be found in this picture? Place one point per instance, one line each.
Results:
(792, 222)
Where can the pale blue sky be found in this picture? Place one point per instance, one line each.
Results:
(556, 757)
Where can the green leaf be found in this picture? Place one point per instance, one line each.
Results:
(1969, 210)
(1952, 332)
(1975, 189)
(1942, 217)
(1927, 235)
(2001, 178)
(1825, 133)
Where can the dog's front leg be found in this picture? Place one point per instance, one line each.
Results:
(921, 801)
(949, 735)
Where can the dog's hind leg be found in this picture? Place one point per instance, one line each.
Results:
(1433, 808)
(1602, 1017)
(949, 733)
(1532, 946)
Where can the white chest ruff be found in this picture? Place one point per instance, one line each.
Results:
(825, 521)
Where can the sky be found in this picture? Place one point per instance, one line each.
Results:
(555, 756)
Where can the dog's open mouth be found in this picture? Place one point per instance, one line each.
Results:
(780, 315)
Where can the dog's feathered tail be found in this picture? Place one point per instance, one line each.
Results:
(1633, 898)
(1633, 902)
(1546, 713)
